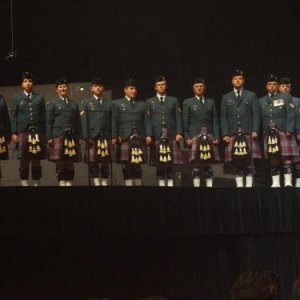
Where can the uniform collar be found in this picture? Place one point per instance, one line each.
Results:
(64, 99)
(199, 98)
(236, 90)
(28, 94)
(159, 97)
(269, 94)
(98, 98)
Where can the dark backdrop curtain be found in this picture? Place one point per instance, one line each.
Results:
(178, 267)
(183, 243)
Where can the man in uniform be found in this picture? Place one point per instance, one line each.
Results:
(63, 133)
(285, 86)
(28, 124)
(278, 123)
(5, 131)
(131, 128)
(201, 132)
(240, 125)
(96, 118)
(166, 120)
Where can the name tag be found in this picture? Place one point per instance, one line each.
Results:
(278, 102)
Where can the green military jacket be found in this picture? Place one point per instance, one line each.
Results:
(244, 113)
(24, 109)
(126, 116)
(62, 115)
(197, 115)
(279, 110)
(4, 118)
(167, 113)
(96, 117)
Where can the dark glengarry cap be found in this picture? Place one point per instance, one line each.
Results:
(238, 72)
(199, 80)
(97, 81)
(27, 75)
(130, 82)
(159, 79)
(272, 78)
(284, 80)
(60, 81)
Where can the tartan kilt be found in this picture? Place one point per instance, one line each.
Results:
(20, 149)
(296, 159)
(177, 153)
(124, 148)
(55, 151)
(288, 145)
(91, 147)
(193, 148)
(252, 144)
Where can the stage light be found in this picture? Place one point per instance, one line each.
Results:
(79, 88)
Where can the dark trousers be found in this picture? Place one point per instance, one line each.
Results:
(102, 172)
(132, 171)
(36, 169)
(202, 172)
(65, 170)
(242, 167)
(164, 172)
(279, 164)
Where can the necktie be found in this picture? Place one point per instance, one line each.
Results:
(66, 101)
(202, 100)
(238, 94)
(272, 95)
(29, 96)
(100, 100)
(132, 101)
(161, 99)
